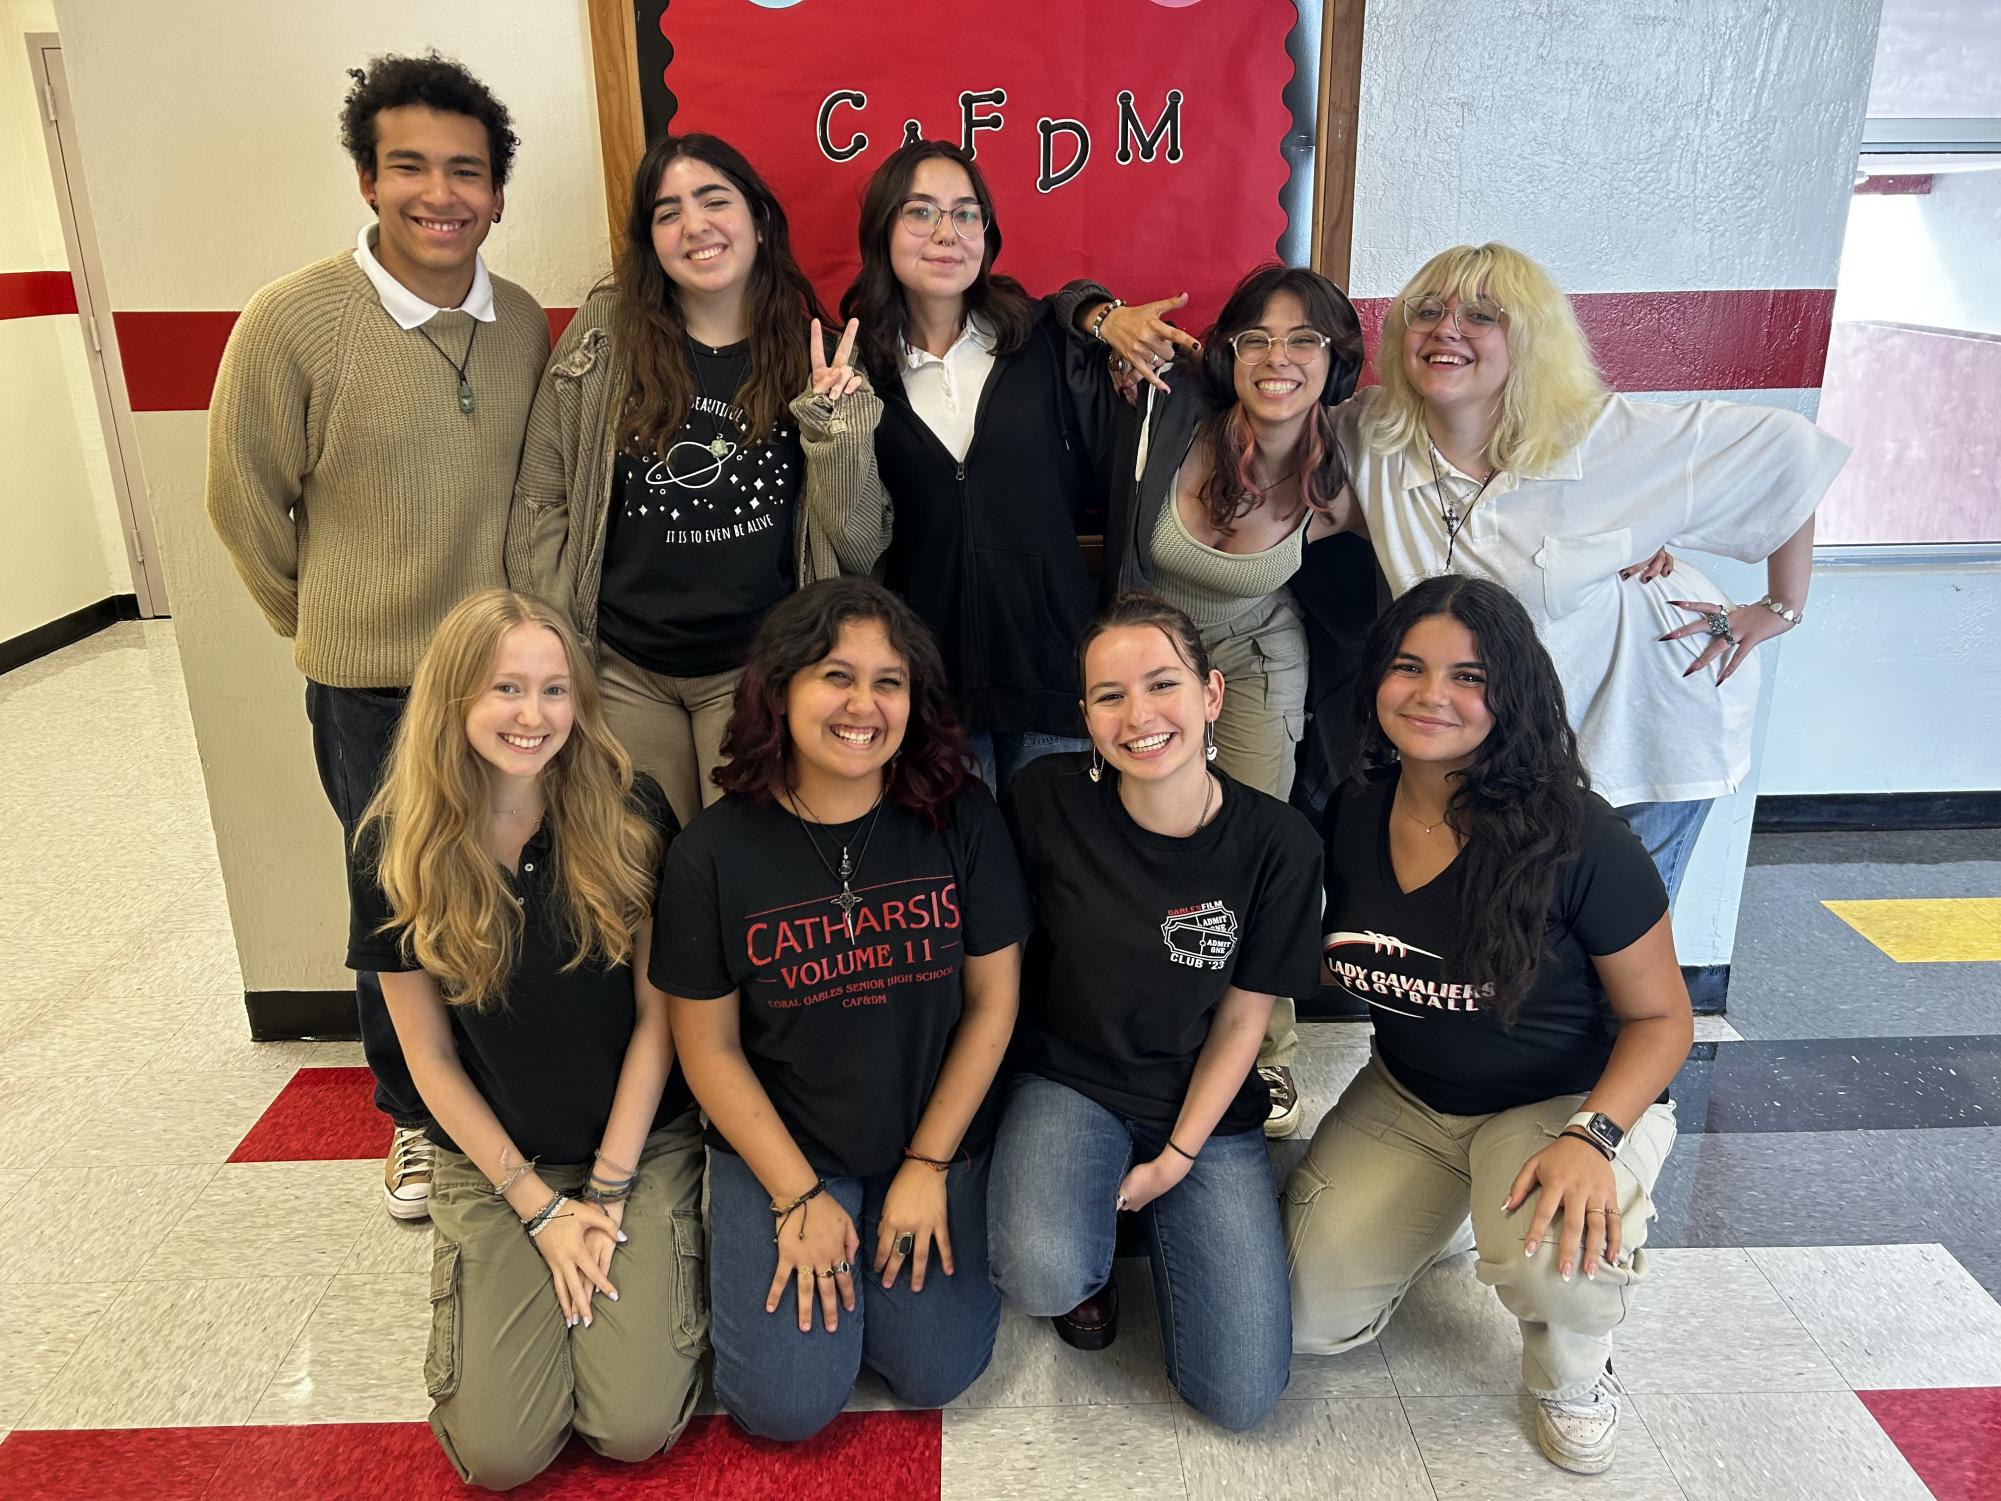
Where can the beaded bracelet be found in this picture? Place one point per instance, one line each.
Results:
(798, 1207)
(1104, 312)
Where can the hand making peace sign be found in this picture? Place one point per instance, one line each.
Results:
(832, 382)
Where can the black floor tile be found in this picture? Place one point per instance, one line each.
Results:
(1837, 1188)
(1841, 1084)
(1873, 847)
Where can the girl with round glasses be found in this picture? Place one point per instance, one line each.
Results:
(1492, 447)
(989, 419)
(1224, 486)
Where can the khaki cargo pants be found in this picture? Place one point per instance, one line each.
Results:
(1384, 1191)
(509, 1381)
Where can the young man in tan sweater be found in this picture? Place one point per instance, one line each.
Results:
(363, 439)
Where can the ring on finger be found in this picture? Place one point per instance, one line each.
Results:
(906, 1243)
(1718, 622)
(827, 1273)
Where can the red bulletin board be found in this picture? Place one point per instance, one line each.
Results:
(1136, 142)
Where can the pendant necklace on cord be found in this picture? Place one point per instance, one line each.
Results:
(847, 901)
(1448, 509)
(458, 366)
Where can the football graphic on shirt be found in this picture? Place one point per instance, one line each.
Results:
(1376, 943)
(1200, 937)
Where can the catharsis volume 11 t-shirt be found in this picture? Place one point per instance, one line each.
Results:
(1439, 1034)
(845, 1030)
(1138, 935)
(698, 545)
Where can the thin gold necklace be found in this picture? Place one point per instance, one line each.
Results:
(1404, 803)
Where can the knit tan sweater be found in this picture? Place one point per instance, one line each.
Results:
(357, 501)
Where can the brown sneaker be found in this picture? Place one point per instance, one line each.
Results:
(1284, 1117)
(406, 1175)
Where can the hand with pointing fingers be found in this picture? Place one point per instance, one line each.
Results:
(831, 382)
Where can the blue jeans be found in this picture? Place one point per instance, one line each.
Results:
(1218, 1254)
(1004, 753)
(1669, 831)
(352, 729)
(781, 1384)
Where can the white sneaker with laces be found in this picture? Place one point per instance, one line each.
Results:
(1579, 1433)
(406, 1175)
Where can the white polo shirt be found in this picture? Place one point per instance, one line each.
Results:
(945, 390)
(1713, 476)
(405, 306)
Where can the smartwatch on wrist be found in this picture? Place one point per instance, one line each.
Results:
(1604, 1132)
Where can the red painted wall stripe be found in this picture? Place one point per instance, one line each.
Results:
(1769, 339)
(170, 359)
(36, 294)
(1646, 341)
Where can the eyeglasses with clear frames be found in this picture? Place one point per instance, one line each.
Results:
(1254, 346)
(1473, 319)
(920, 216)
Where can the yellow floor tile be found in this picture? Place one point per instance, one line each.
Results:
(1930, 930)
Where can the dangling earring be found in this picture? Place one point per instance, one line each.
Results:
(1209, 741)
(1097, 771)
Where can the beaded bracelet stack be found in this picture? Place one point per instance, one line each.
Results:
(783, 1212)
(539, 1221)
(1105, 311)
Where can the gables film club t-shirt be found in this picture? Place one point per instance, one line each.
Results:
(1138, 935)
(1438, 1034)
(698, 545)
(845, 1033)
(547, 1058)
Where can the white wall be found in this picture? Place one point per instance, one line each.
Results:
(1650, 145)
(1891, 685)
(1937, 60)
(60, 547)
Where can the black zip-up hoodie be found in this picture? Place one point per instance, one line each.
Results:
(986, 549)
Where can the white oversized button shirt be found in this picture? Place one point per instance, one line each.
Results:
(1712, 476)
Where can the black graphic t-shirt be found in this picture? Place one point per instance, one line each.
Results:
(845, 1033)
(1438, 1035)
(547, 1058)
(698, 545)
(1139, 934)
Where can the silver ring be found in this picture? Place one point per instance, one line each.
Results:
(906, 1243)
(1718, 622)
(1155, 362)
(842, 1268)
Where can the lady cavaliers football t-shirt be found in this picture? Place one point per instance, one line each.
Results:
(1438, 1034)
(845, 1026)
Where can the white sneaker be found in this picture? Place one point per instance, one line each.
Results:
(1579, 1433)
(406, 1175)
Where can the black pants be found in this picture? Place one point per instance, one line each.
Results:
(352, 728)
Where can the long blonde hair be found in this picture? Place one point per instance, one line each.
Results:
(1553, 392)
(445, 889)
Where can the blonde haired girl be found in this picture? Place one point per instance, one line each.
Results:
(503, 880)
(1493, 448)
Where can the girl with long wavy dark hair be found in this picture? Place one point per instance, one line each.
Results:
(503, 886)
(1510, 935)
(694, 454)
(841, 946)
(1228, 493)
(990, 420)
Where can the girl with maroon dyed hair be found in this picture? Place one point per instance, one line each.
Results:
(841, 948)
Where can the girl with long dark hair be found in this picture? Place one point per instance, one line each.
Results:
(1172, 903)
(840, 940)
(693, 456)
(1223, 486)
(990, 419)
(1510, 936)
(503, 887)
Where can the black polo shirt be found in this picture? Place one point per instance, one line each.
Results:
(547, 1057)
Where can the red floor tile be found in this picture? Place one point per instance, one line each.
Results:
(322, 1115)
(160, 1464)
(865, 1454)
(1950, 1435)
